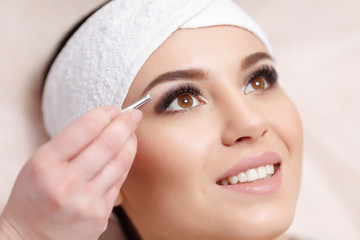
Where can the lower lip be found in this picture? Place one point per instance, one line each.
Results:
(262, 187)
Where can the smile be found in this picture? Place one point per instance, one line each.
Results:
(251, 175)
(257, 174)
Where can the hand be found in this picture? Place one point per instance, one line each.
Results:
(68, 188)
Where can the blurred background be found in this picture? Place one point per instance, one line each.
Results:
(316, 45)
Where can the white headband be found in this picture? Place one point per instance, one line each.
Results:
(100, 61)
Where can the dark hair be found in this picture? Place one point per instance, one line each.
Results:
(128, 228)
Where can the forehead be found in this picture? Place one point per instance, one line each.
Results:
(193, 47)
(198, 48)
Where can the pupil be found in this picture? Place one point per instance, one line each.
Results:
(185, 101)
(258, 83)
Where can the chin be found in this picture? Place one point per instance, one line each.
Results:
(258, 222)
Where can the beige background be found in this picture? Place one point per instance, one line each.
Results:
(317, 47)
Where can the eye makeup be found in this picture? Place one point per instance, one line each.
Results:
(265, 72)
(175, 92)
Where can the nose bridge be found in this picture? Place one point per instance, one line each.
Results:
(243, 119)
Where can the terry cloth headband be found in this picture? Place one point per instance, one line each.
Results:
(99, 62)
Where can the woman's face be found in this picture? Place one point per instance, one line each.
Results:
(217, 115)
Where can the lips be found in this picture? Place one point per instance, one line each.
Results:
(258, 174)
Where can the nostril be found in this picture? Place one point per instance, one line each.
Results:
(243, 139)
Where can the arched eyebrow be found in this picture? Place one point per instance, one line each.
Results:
(252, 59)
(186, 74)
(200, 74)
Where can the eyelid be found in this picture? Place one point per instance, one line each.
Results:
(196, 101)
(173, 93)
(267, 71)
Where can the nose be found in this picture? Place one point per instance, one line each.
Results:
(243, 121)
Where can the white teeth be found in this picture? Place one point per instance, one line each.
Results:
(261, 172)
(242, 177)
(253, 174)
(233, 180)
(269, 169)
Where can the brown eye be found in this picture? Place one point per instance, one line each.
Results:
(257, 84)
(185, 101)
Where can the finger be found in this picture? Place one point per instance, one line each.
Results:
(117, 169)
(110, 142)
(120, 198)
(69, 142)
(114, 196)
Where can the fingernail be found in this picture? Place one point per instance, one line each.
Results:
(137, 115)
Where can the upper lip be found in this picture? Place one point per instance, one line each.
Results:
(253, 161)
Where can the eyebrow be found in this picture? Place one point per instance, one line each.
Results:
(253, 59)
(189, 74)
(200, 74)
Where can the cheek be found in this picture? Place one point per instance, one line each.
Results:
(286, 124)
(167, 167)
(291, 128)
(284, 121)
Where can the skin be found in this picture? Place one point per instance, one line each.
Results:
(72, 181)
(171, 190)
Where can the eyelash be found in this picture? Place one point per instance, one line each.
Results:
(266, 72)
(176, 92)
